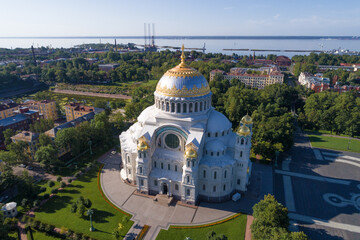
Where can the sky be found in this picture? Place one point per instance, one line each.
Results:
(40, 18)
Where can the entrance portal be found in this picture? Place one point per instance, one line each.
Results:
(165, 188)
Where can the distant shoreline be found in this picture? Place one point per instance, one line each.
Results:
(196, 37)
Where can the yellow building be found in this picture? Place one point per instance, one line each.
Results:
(30, 138)
(45, 107)
(7, 110)
(76, 110)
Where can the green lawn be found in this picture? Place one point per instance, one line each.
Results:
(335, 143)
(106, 218)
(37, 235)
(233, 229)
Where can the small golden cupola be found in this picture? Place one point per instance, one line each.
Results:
(244, 131)
(142, 144)
(246, 119)
(190, 152)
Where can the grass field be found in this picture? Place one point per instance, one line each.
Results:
(334, 143)
(106, 218)
(233, 229)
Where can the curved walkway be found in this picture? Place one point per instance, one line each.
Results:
(146, 211)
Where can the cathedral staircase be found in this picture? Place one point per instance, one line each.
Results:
(163, 199)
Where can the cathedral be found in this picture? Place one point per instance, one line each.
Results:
(181, 146)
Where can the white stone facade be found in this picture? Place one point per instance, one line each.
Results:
(183, 147)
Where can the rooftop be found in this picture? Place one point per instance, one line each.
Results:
(12, 120)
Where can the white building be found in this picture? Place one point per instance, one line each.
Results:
(181, 146)
(10, 210)
(307, 79)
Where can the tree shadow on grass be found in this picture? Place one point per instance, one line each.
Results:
(54, 204)
(76, 186)
(316, 139)
(71, 191)
(101, 216)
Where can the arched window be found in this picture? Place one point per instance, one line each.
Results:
(162, 165)
(167, 107)
(178, 107)
(144, 154)
(130, 171)
(238, 182)
(223, 133)
(216, 134)
(204, 174)
(246, 142)
(212, 154)
(196, 107)
(242, 141)
(225, 173)
(139, 155)
(188, 163)
(224, 187)
(184, 107)
(154, 164)
(201, 105)
(172, 107)
(214, 188)
(128, 158)
(168, 166)
(240, 153)
(204, 187)
(176, 187)
(188, 192)
(175, 168)
(208, 134)
(193, 163)
(218, 153)
(162, 105)
(215, 175)
(140, 170)
(190, 107)
(188, 179)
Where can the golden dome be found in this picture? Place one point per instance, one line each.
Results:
(182, 81)
(190, 152)
(246, 119)
(244, 131)
(142, 145)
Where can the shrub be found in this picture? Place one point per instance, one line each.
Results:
(78, 236)
(80, 210)
(51, 183)
(46, 196)
(87, 203)
(73, 208)
(69, 180)
(42, 227)
(25, 218)
(58, 179)
(36, 203)
(54, 191)
(62, 184)
(63, 230)
(35, 224)
(69, 233)
(125, 219)
(77, 174)
(24, 202)
(42, 189)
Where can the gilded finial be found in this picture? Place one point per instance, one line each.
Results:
(182, 55)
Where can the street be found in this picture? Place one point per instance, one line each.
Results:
(321, 189)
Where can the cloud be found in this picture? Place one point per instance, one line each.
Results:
(276, 16)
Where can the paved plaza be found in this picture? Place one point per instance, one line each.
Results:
(321, 189)
(146, 211)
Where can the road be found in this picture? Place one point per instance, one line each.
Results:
(321, 189)
(104, 95)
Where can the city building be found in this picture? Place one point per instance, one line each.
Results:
(316, 82)
(30, 138)
(253, 77)
(7, 109)
(75, 110)
(47, 108)
(21, 121)
(343, 66)
(73, 123)
(108, 67)
(182, 147)
(283, 61)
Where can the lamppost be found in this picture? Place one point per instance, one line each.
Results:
(90, 212)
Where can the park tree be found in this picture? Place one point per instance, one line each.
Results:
(8, 133)
(46, 156)
(20, 149)
(44, 140)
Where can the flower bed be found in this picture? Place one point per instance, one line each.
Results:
(143, 232)
(209, 224)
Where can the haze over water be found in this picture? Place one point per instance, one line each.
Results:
(212, 45)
